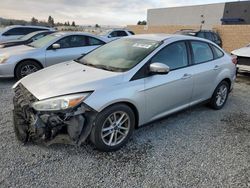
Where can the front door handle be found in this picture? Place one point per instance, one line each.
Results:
(186, 76)
(216, 67)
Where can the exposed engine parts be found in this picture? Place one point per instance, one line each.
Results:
(69, 127)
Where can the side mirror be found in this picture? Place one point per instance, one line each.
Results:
(56, 46)
(158, 68)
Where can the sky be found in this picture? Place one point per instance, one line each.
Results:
(84, 12)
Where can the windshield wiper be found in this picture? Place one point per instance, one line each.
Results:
(99, 66)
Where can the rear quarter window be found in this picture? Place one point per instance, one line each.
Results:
(217, 52)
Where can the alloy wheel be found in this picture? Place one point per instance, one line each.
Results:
(221, 95)
(115, 128)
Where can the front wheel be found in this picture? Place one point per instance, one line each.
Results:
(220, 96)
(25, 68)
(113, 127)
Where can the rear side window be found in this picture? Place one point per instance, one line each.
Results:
(131, 32)
(21, 31)
(94, 41)
(202, 52)
(174, 55)
(15, 31)
(209, 36)
(217, 52)
(201, 35)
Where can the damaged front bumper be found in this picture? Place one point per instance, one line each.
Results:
(71, 126)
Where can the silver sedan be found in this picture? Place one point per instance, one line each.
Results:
(120, 86)
(19, 61)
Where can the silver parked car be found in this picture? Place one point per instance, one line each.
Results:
(118, 87)
(16, 31)
(19, 61)
(116, 33)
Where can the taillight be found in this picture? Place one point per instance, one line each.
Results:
(234, 59)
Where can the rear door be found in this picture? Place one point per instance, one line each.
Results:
(71, 47)
(173, 91)
(205, 69)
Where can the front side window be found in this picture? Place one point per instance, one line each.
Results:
(120, 55)
(72, 41)
(44, 41)
(131, 32)
(114, 34)
(202, 52)
(174, 55)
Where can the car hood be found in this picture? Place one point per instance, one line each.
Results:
(68, 78)
(16, 50)
(242, 52)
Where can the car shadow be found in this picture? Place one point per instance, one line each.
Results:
(7, 81)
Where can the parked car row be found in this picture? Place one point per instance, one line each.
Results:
(205, 34)
(40, 49)
(241, 56)
(26, 39)
(105, 88)
(15, 32)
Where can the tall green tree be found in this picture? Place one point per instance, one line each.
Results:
(34, 21)
(51, 21)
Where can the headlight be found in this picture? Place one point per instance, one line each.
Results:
(3, 58)
(60, 103)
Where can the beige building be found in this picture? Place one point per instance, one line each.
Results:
(205, 15)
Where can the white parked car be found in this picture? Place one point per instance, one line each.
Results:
(243, 57)
(116, 33)
(19, 61)
(16, 31)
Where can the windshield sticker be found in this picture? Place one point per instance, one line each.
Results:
(147, 46)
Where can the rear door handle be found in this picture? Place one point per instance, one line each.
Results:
(216, 67)
(186, 76)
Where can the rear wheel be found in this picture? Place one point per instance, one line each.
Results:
(113, 127)
(220, 96)
(25, 68)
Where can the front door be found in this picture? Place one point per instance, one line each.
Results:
(71, 47)
(171, 92)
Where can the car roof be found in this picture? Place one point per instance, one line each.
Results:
(162, 37)
(32, 26)
(78, 33)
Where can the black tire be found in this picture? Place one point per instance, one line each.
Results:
(18, 71)
(213, 100)
(19, 123)
(96, 133)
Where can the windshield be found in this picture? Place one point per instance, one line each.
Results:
(120, 55)
(43, 41)
(28, 36)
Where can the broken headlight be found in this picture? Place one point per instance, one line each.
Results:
(60, 103)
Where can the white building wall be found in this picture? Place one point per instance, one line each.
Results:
(189, 15)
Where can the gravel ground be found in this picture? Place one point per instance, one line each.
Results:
(198, 147)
